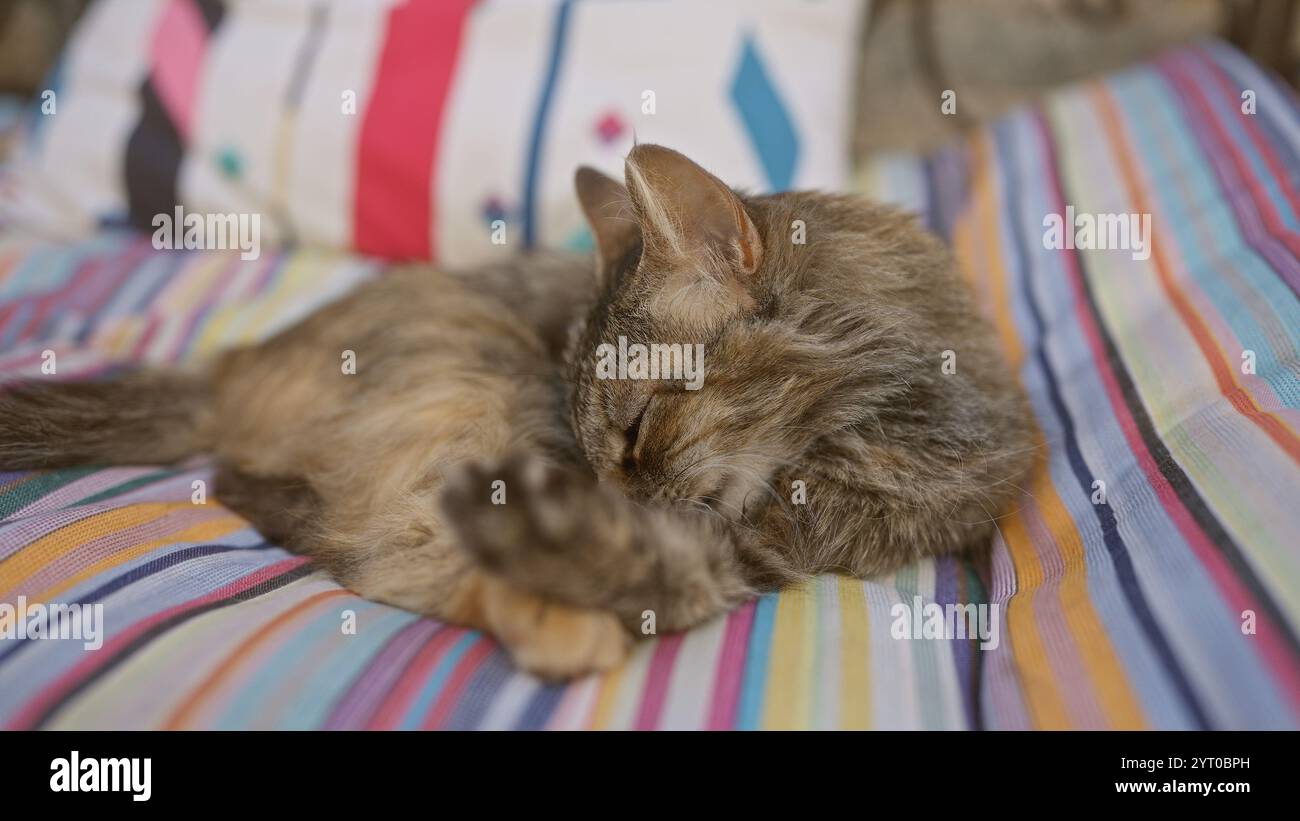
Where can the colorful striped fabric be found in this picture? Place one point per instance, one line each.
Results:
(1175, 603)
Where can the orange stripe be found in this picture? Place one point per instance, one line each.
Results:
(1224, 375)
(1109, 681)
(183, 716)
(983, 236)
(1037, 681)
(201, 532)
(53, 546)
(1040, 684)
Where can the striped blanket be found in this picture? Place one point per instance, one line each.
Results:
(1149, 577)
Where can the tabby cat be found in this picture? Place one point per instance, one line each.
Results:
(854, 415)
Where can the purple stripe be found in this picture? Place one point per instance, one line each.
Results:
(481, 692)
(367, 692)
(1237, 189)
(946, 592)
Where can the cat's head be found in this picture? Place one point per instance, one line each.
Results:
(688, 267)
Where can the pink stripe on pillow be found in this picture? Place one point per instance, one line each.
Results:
(180, 41)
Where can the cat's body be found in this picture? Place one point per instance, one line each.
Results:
(828, 434)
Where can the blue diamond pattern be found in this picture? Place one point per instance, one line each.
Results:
(766, 119)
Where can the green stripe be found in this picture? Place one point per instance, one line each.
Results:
(24, 493)
(127, 487)
(927, 655)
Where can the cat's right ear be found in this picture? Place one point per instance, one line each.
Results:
(609, 212)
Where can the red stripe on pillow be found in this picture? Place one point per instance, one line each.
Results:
(393, 214)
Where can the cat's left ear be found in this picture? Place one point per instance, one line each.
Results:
(609, 212)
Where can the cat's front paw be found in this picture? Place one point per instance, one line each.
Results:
(527, 526)
(521, 517)
(550, 640)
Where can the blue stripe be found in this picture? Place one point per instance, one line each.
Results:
(540, 707)
(432, 687)
(481, 692)
(344, 660)
(754, 683)
(965, 662)
(559, 36)
(290, 667)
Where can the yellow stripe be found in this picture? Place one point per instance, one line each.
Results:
(855, 655)
(212, 336)
(192, 283)
(183, 293)
(283, 152)
(300, 264)
(118, 338)
(792, 663)
(607, 698)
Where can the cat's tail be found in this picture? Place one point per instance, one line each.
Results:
(146, 417)
(562, 538)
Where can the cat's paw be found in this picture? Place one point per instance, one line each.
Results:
(528, 526)
(551, 640)
(521, 517)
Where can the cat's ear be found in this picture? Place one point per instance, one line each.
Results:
(609, 212)
(687, 213)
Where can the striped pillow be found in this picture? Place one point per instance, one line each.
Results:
(424, 129)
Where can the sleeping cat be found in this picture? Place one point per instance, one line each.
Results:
(476, 464)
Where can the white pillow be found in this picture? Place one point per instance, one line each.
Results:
(426, 129)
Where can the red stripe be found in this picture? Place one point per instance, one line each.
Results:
(84, 277)
(394, 209)
(656, 685)
(7, 312)
(456, 683)
(731, 669)
(87, 291)
(1245, 172)
(389, 714)
(142, 345)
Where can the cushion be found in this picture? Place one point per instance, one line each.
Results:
(425, 129)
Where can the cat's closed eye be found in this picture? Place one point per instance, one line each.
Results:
(630, 436)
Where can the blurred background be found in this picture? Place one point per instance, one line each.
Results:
(992, 53)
